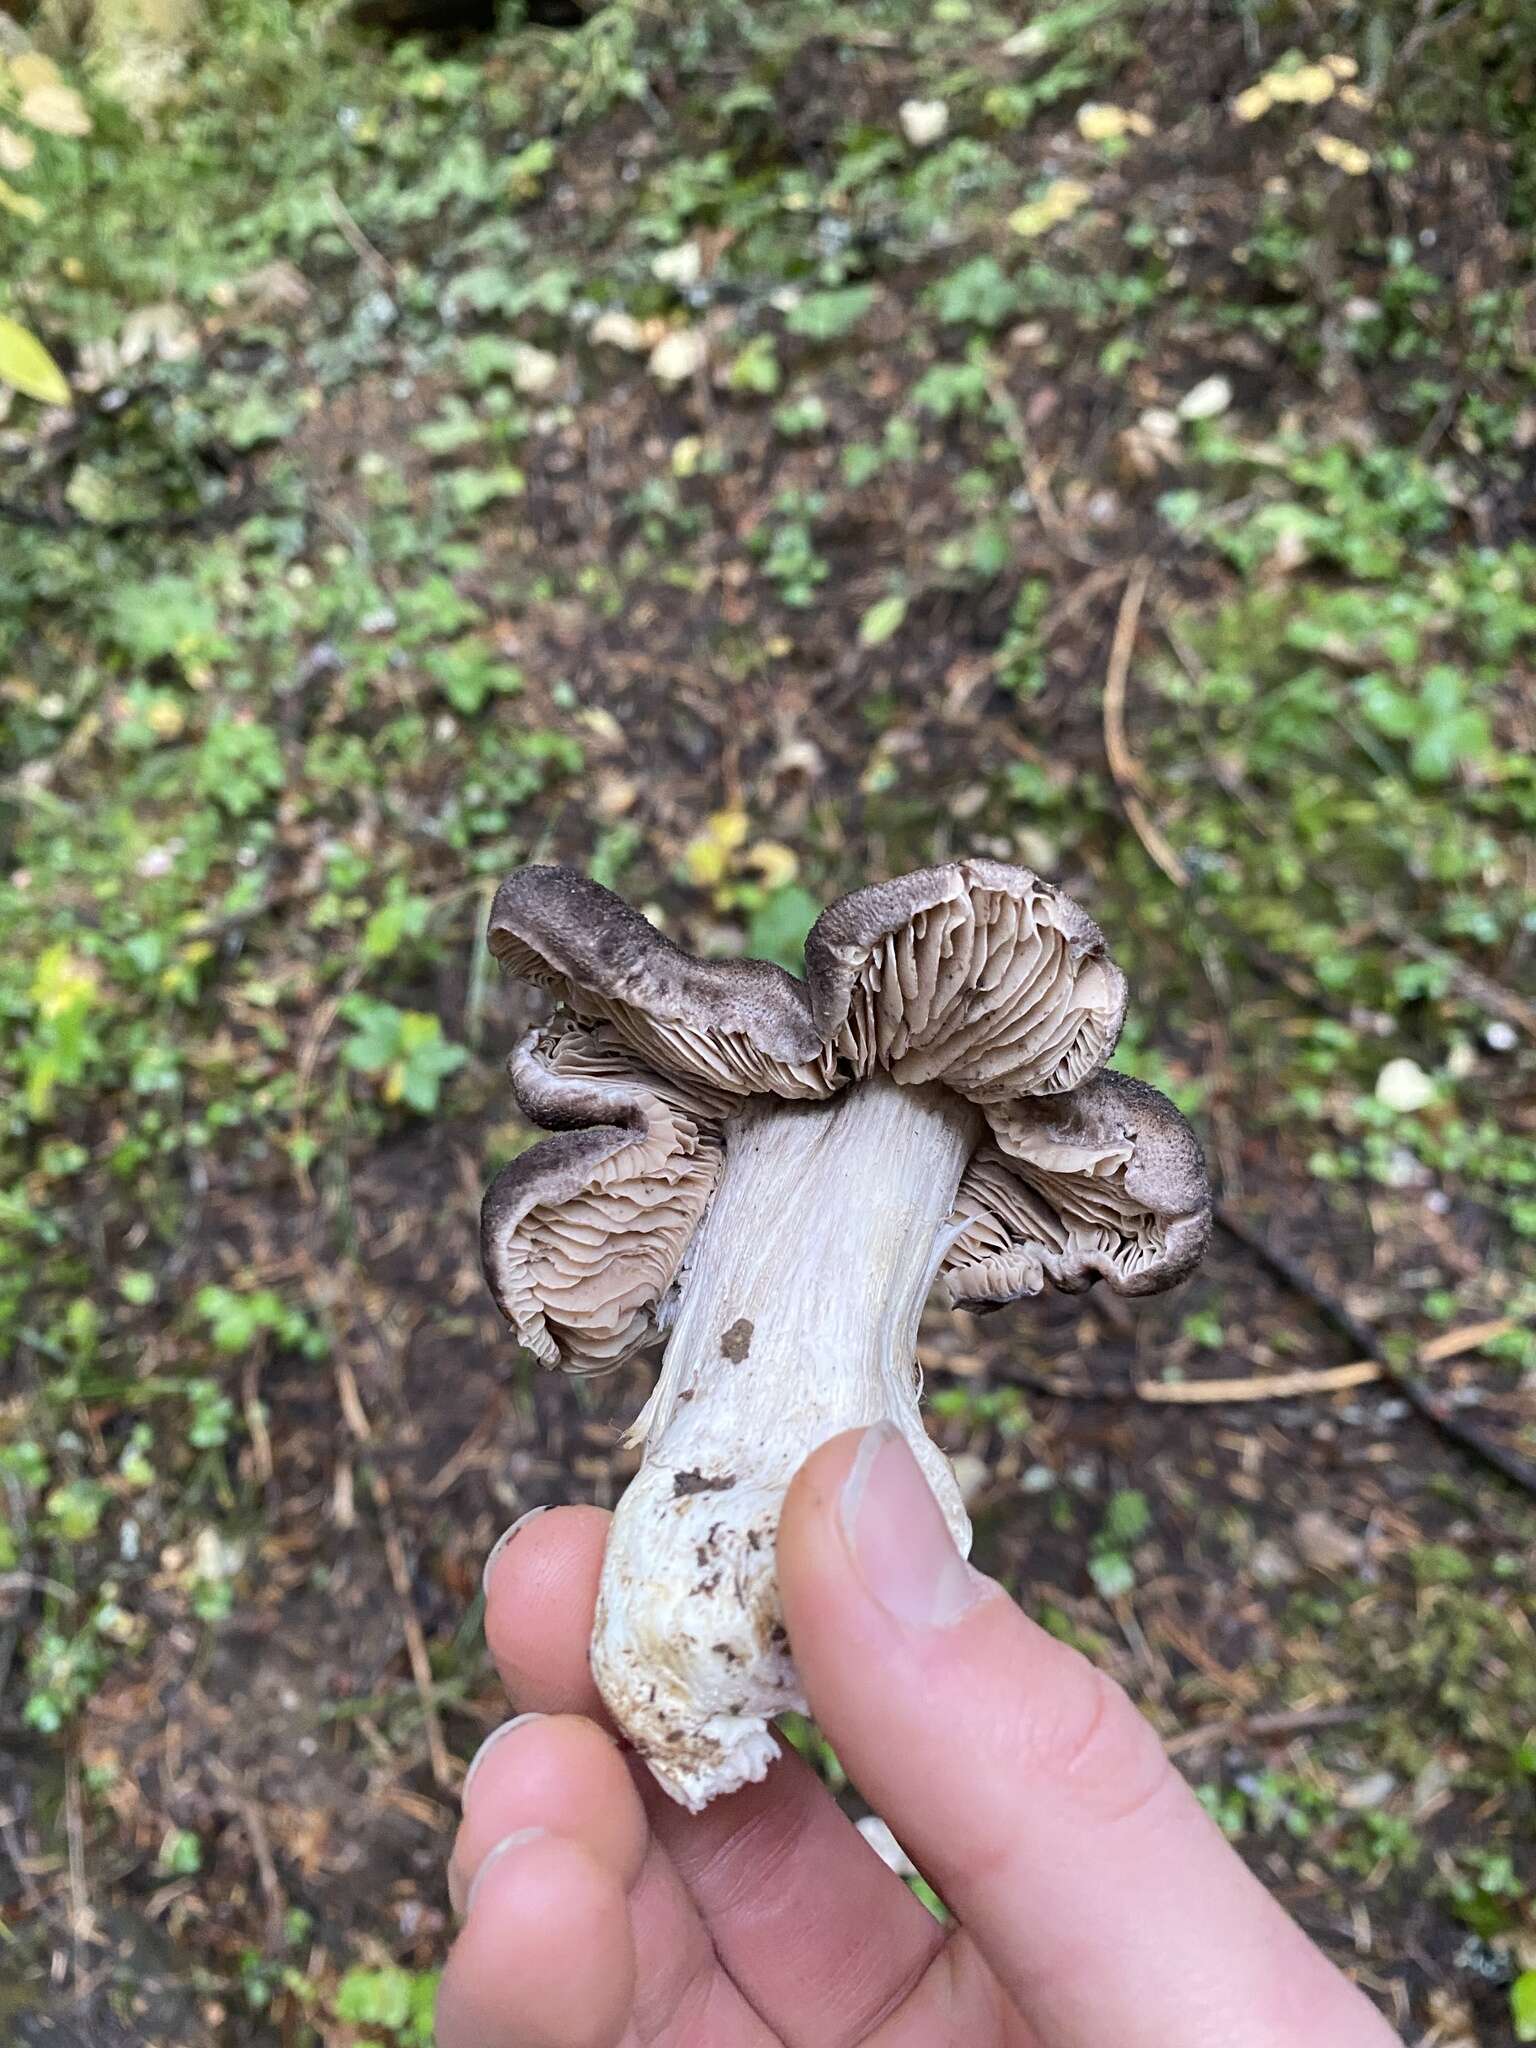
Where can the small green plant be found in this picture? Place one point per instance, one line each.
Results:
(397, 2003)
(1522, 2005)
(1436, 721)
(1126, 1520)
(469, 674)
(180, 1855)
(978, 294)
(755, 369)
(62, 1043)
(827, 316)
(787, 549)
(240, 766)
(403, 1050)
(235, 1321)
(1021, 653)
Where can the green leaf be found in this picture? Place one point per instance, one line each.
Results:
(882, 621)
(978, 294)
(756, 368)
(1128, 1517)
(1522, 2005)
(1111, 1574)
(375, 1998)
(27, 366)
(74, 1509)
(777, 930)
(824, 316)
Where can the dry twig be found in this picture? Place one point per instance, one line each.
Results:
(1130, 783)
(1037, 478)
(1264, 1727)
(353, 236)
(399, 1573)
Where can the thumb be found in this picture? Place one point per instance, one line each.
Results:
(1029, 1789)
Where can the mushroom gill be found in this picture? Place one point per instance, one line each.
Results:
(978, 974)
(581, 1236)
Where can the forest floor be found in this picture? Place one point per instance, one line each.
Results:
(746, 451)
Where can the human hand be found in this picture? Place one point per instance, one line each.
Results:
(1096, 1905)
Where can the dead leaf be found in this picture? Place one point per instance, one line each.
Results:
(57, 109)
(27, 366)
(1097, 121)
(16, 151)
(31, 69)
(1058, 202)
(1348, 157)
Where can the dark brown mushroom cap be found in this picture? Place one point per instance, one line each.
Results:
(743, 1026)
(582, 1235)
(977, 974)
(1107, 1182)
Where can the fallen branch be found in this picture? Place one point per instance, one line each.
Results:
(1279, 1386)
(1437, 1411)
(1274, 1386)
(1323, 1379)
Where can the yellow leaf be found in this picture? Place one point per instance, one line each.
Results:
(63, 982)
(167, 721)
(1342, 67)
(32, 69)
(729, 828)
(16, 151)
(1099, 122)
(1348, 157)
(1307, 87)
(27, 366)
(708, 857)
(775, 865)
(1252, 104)
(1058, 202)
(57, 109)
(22, 204)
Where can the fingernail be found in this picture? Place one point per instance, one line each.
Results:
(494, 1854)
(503, 1540)
(898, 1538)
(490, 1742)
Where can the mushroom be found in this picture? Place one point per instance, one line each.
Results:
(771, 1174)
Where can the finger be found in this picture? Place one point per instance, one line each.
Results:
(791, 1894)
(545, 1959)
(822, 1938)
(569, 1773)
(540, 1592)
(541, 1588)
(1030, 1790)
(559, 1773)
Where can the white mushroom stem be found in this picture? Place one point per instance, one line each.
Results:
(797, 1318)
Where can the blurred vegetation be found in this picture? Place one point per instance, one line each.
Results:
(709, 445)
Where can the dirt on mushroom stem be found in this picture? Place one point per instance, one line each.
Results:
(796, 1317)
